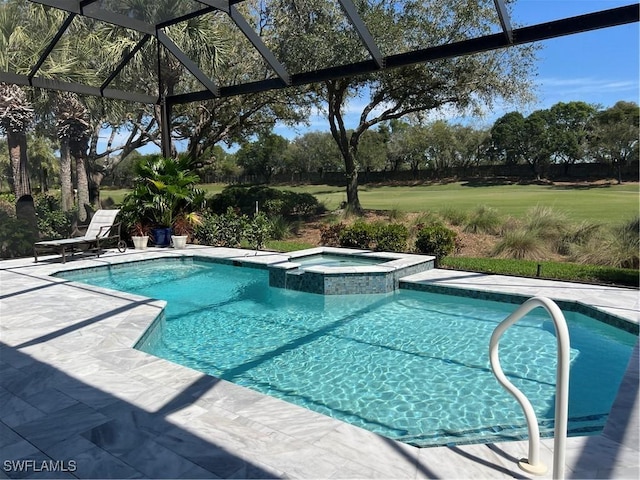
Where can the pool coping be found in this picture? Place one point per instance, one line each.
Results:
(259, 436)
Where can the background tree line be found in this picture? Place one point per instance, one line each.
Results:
(565, 134)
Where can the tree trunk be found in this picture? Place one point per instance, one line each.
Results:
(65, 176)
(83, 188)
(95, 181)
(17, 142)
(336, 93)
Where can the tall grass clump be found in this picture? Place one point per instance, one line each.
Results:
(521, 244)
(282, 228)
(617, 246)
(454, 216)
(576, 236)
(484, 219)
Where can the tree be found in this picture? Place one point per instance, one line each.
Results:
(537, 141)
(263, 157)
(615, 135)
(73, 131)
(471, 144)
(569, 131)
(314, 152)
(16, 116)
(507, 138)
(440, 151)
(314, 34)
(43, 160)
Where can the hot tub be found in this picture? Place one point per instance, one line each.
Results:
(341, 271)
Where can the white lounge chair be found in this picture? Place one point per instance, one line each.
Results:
(101, 230)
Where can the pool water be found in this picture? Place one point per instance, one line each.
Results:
(412, 366)
(329, 260)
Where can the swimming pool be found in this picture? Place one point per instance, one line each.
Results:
(412, 366)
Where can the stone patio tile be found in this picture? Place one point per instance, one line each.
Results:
(14, 411)
(60, 425)
(18, 450)
(50, 400)
(8, 435)
(157, 461)
(97, 463)
(387, 456)
(148, 422)
(205, 453)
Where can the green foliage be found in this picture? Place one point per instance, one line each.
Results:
(330, 234)
(358, 235)
(165, 189)
(391, 237)
(15, 237)
(53, 223)
(551, 270)
(454, 216)
(617, 246)
(436, 240)
(484, 220)
(230, 228)
(258, 230)
(281, 227)
(8, 207)
(287, 245)
(270, 200)
(521, 244)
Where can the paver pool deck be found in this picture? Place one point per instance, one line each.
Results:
(74, 391)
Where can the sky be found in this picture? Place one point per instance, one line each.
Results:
(599, 67)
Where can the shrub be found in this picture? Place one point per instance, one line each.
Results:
(483, 220)
(207, 232)
(281, 228)
(230, 228)
(521, 244)
(270, 200)
(615, 247)
(330, 234)
(436, 240)
(53, 223)
(358, 235)
(391, 237)
(224, 230)
(258, 230)
(16, 237)
(454, 217)
(7, 207)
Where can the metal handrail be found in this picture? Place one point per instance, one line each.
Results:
(533, 464)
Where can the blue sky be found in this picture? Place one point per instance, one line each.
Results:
(599, 67)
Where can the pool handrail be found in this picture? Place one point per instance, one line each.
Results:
(533, 464)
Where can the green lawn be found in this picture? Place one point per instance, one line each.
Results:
(602, 204)
(606, 204)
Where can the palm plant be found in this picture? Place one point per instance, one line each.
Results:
(165, 191)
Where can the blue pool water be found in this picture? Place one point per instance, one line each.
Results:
(329, 260)
(412, 366)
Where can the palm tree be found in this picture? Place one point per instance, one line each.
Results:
(16, 115)
(73, 128)
(16, 112)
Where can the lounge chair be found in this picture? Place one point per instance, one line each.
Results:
(100, 232)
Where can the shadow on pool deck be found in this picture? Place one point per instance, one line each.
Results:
(59, 418)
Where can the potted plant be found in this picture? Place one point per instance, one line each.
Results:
(139, 235)
(165, 188)
(183, 227)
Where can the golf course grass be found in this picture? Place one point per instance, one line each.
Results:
(600, 203)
